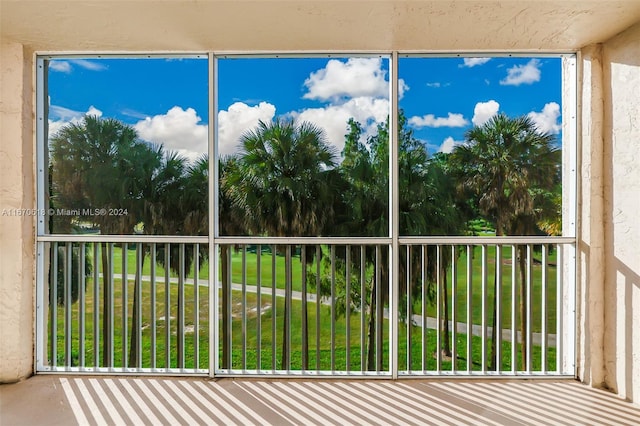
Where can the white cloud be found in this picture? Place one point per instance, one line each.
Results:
(61, 116)
(523, 74)
(547, 120)
(402, 87)
(449, 144)
(429, 120)
(94, 111)
(434, 84)
(239, 118)
(353, 89)
(64, 114)
(483, 111)
(178, 130)
(357, 77)
(66, 66)
(60, 66)
(472, 62)
(89, 65)
(333, 118)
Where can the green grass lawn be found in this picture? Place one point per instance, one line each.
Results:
(478, 292)
(166, 348)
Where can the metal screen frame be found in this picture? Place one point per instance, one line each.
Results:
(566, 327)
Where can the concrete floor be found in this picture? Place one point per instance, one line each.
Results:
(69, 400)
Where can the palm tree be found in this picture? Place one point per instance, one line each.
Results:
(503, 163)
(232, 222)
(100, 164)
(426, 207)
(446, 217)
(281, 185)
(363, 210)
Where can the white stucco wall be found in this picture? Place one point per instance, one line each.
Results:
(621, 74)
(16, 232)
(591, 261)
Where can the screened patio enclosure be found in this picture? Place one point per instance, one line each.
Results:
(390, 301)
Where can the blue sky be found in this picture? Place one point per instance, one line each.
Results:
(166, 100)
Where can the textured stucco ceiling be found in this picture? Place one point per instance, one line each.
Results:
(271, 25)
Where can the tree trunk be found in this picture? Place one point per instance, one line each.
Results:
(107, 344)
(445, 302)
(286, 328)
(494, 325)
(372, 336)
(384, 278)
(305, 318)
(133, 345)
(494, 333)
(523, 306)
(225, 254)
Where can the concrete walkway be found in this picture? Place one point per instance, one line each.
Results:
(432, 323)
(68, 400)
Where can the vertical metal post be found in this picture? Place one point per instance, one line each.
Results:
(43, 263)
(243, 314)
(559, 310)
(96, 305)
(181, 303)
(196, 306)
(363, 300)
(497, 332)
(167, 306)
(543, 310)
(408, 305)
(318, 302)
(438, 309)
(469, 307)
(110, 305)
(514, 307)
(528, 306)
(348, 308)
(259, 307)
(379, 310)
(125, 302)
(274, 327)
(484, 350)
(138, 306)
(286, 356)
(82, 304)
(333, 307)
(454, 308)
(227, 311)
(154, 314)
(214, 210)
(424, 302)
(394, 216)
(304, 303)
(67, 304)
(53, 294)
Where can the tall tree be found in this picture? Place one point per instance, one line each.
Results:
(282, 182)
(232, 221)
(363, 210)
(426, 207)
(504, 163)
(101, 164)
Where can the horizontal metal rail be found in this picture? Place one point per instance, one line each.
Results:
(306, 307)
(464, 240)
(97, 238)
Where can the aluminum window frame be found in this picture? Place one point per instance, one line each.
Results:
(570, 182)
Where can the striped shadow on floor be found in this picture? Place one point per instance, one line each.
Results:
(154, 401)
